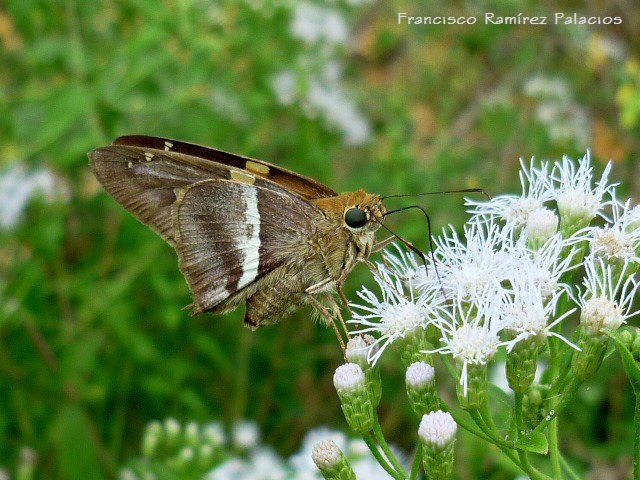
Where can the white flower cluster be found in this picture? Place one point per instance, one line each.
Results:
(501, 282)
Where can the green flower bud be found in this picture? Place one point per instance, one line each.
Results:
(331, 461)
(476, 391)
(358, 351)
(352, 388)
(151, 438)
(419, 341)
(421, 388)
(192, 434)
(522, 362)
(171, 432)
(586, 362)
(437, 434)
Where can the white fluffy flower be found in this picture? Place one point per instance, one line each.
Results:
(514, 209)
(579, 201)
(607, 297)
(437, 429)
(475, 266)
(398, 313)
(349, 377)
(245, 434)
(620, 238)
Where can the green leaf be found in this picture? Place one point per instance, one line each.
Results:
(535, 442)
(630, 365)
(77, 451)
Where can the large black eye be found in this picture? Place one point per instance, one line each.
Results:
(355, 217)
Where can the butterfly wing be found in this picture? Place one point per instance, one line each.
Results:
(230, 235)
(230, 221)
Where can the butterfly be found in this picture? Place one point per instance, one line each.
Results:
(245, 231)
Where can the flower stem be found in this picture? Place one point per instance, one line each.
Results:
(377, 431)
(567, 468)
(415, 468)
(368, 439)
(636, 440)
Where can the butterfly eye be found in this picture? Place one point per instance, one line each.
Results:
(355, 217)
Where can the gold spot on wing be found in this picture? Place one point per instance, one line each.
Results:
(130, 164)
(242, 177)
(148, 156)
(167, 145)
(256, 167)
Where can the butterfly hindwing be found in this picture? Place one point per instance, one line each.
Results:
(230, 234)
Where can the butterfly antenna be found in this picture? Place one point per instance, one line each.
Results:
(464, 190)
(412, 247)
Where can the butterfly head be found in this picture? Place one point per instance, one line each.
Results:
(359, 211)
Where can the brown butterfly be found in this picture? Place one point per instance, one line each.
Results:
(244, 230)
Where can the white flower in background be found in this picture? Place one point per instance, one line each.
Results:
(284, 86)
(514, 209)
(312, 23)
(245, 434)
(18, 186)
(579, 201)
(607, 297)
(619, 240)
(214, 433)
(477, 266)
(398, 313)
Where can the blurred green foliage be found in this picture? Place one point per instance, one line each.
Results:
(93, 339)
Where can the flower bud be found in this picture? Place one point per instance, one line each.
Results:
(473, 397)
(416, 343)
(192, 434)
(151, 438)
(522, 363)
(183, 460)
(352, 388)
(437, 434)
(27, 463)
(542, 224)
(421, 388)
(331, 461)
(171, 432)
(206, 456)
(586, 362)
(358, 351)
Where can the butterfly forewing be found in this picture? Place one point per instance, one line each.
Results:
(304, 186)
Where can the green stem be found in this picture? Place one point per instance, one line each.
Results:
(554, 450)
(636, 440)
(567, 468)
(368, 439)
(566, 398)
(415, 468)
(377, 431)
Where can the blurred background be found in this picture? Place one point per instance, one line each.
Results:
(94, 341)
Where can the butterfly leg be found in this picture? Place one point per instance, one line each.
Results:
(328, 318)
(382, 243)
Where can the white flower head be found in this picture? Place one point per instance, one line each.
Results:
(477, 266)
(326, 454)
(546, 265)
(618, 241)
(245, 434)
(527, 312)
(419, 374)
(313, 23)
(607, 298)
(541, 225)
(579, 201)
(349, 377)
(400, 311)
(514, 210)
(437, 429)
(471, 334)
(360, 348)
